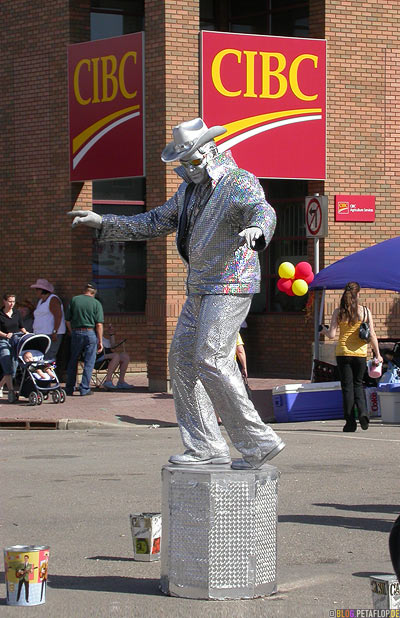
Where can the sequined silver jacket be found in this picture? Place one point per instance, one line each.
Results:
(218, 260)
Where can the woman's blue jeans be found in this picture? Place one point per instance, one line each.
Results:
(7, 359)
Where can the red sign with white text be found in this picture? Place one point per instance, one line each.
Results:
(354, 208)
(270, 94)
(106, 108)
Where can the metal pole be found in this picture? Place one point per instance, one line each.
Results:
(316, 297)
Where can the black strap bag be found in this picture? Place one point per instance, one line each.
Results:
(248, 389)
(365, 333)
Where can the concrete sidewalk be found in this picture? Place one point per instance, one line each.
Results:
(115, 408)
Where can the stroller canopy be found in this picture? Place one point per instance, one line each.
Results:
(33, 342)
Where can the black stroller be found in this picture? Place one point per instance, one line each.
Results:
(31, 385)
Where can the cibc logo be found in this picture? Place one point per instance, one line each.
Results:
(107, 77)
(269, 93)
(106, 108)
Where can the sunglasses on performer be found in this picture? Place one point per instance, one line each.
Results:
(192, 163)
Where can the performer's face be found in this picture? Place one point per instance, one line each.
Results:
(196, 167)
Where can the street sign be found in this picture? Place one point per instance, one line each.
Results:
(316, 211)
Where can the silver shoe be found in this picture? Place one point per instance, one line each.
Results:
(187, 459)
(242, 464)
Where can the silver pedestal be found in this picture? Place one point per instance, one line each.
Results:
(219, 532)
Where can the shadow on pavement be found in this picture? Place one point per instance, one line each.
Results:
(112, 583)
(111, 558)
(354, 523)
(144, 421)
(370, 573)
(363, 508)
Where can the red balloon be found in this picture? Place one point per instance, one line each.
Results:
(309, 278)
(285, 285)
(302, 270)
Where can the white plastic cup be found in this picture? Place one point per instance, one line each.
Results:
(374, 369)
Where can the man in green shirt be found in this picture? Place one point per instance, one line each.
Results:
(84, 320)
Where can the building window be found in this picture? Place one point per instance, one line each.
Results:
(110, 18)
(119, 268)
(278, 17)
(289, 244)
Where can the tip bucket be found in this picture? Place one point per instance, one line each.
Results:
(26, 569)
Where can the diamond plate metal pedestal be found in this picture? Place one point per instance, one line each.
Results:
(219, 532)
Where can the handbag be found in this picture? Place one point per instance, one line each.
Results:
(248, 389)
(364, 332)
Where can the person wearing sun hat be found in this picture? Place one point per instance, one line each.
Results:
(221, 219)
(48, 317)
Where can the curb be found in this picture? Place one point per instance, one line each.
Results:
(71, 424)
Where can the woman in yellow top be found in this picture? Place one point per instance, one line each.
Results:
(351, 353)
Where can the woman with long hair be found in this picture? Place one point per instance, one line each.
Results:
(10, 323)
(351, 352)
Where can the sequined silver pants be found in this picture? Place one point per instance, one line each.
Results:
(206, 380)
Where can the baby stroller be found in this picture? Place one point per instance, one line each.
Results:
(31, 385)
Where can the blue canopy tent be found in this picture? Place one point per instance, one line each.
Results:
(374, 267)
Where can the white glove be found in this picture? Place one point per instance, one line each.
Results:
(86, 217)
(251, 234)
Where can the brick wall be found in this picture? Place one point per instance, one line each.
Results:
(37, 240)
(363, 146)
(171, 97)
(36, 193)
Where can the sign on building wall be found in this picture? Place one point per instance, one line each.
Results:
(270, 94)
(106, 108)
(316, 216)
(354, 208)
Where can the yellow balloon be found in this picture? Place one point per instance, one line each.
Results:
(299, 287)
(286, 270)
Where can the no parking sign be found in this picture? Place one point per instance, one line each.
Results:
(316, 212)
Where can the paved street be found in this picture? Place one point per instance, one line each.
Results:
(74, 490)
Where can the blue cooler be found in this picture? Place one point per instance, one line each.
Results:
(315, 401)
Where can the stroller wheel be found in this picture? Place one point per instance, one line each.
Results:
(63, 395)
(33, 398)
(56, 396)
(39, 399)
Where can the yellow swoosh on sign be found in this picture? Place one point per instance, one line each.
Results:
(245, 123)
(89, 131)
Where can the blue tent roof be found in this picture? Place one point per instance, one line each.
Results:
(375, 267)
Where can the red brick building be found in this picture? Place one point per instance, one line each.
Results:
(363, 43)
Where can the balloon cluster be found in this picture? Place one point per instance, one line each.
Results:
(294, 280)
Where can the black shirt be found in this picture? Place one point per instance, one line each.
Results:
(10, 325)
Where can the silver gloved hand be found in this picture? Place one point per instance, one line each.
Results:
(86, 217)
(251, 234)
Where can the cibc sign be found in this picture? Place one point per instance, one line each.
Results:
(355, 208)
(106, 97)
(270, 94)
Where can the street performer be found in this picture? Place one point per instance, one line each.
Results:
(221, 220)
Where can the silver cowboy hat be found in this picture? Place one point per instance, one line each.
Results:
(188, 137)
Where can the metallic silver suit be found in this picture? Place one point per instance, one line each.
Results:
(223, 274)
